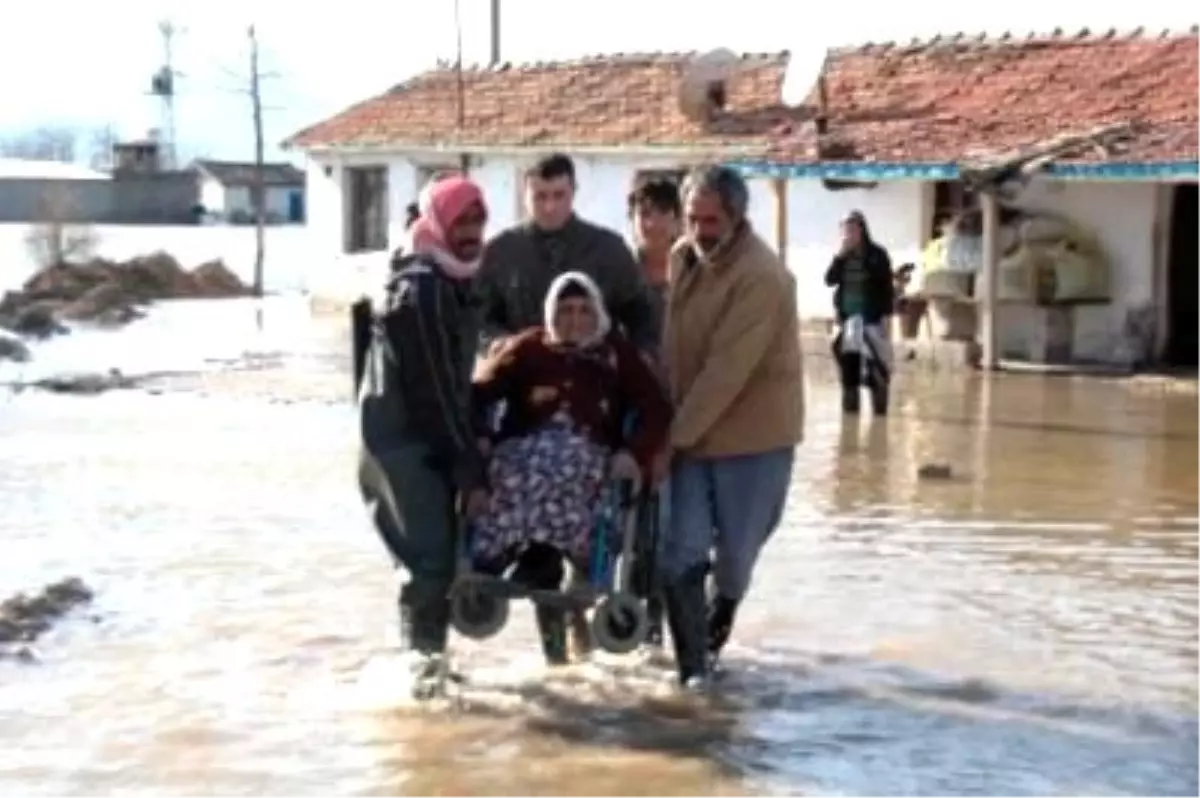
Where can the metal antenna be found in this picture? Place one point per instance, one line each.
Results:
(162, 85)
(461, 93)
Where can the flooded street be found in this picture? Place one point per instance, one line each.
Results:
(1027, 627)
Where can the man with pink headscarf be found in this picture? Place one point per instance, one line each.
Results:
(420, 462)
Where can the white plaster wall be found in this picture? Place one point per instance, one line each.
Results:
(218, 199)
(603, 186)
(894, 212)
(212, 195)
(1122, 215)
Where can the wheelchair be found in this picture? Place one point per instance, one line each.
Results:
(617, 585)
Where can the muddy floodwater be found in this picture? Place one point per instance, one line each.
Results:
(1028, 626)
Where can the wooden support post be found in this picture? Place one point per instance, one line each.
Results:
(780, 187)
(988, 281)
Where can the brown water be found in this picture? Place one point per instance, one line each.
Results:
(1029, 627)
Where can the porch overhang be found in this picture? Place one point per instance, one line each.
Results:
(1182, 171)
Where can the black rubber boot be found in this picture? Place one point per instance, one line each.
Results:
(721, 615)
(424, 628)
(879, 399)
(687, 617)
(552, 628)
(541, 568)
(424, 618)
(850, 400)
(654, 617)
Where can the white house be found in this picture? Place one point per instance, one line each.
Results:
(896, 120)
(225, 191)
(617, 116)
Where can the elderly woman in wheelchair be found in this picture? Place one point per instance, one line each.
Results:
(565, 466)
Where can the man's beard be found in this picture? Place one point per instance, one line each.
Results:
(708, 248)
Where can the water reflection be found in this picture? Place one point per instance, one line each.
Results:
(1026, 627)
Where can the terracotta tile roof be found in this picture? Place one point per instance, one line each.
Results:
(618, 100)
(947, 99)
(237, 173)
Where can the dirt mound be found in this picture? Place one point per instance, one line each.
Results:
(109, 292)
(24, 618)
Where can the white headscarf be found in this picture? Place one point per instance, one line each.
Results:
(603, 322)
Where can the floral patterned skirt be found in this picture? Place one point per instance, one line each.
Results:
(546, 488)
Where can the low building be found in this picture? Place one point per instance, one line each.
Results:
(226, 191)
(887, 136)
(618, 116)
(1100, 262)
(33, 192)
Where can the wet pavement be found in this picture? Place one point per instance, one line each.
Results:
(1028, 626)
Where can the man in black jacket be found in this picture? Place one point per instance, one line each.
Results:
(520, 263)
(863, 296)
(420, 462)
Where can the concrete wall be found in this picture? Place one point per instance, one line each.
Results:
(289, 257)
(226, 201)
(145, 199)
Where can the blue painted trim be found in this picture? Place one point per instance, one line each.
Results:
(878, 171)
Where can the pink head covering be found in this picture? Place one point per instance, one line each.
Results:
(442, 203)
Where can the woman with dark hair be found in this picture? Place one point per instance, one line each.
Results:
(863, 299)
(655, 211)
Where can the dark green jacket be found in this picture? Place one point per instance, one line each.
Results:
(520, 263)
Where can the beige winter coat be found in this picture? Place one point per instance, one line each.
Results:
(732, 347)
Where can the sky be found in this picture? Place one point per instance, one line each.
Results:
(89, 64)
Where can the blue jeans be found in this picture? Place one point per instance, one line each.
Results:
(734, 502)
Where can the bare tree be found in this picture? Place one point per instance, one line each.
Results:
(58, 238)
(45, 143)
(103, 140)
(251, 85)
(258, 189)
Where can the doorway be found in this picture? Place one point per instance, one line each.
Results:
(1183, 288)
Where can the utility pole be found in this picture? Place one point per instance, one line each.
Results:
(257, 189)
(494, 61)
(461, 89)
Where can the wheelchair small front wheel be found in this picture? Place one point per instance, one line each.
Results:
(619, 623)
(476, 614)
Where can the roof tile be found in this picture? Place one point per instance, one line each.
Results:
(617, 100)
(952, 97)
(937, 100)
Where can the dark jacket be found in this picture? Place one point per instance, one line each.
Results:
(417, 381)
(600, 387)
(520, 263)
(878, 291)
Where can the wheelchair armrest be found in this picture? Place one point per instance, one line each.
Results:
(628, 491)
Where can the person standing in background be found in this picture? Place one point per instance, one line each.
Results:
(863, 298)
(655, 213)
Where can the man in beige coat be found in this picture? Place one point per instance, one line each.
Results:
(732, 350)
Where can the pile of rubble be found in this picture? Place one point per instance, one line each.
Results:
(109, 292)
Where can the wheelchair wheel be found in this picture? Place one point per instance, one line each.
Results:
(477, 615)
(619, 623)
